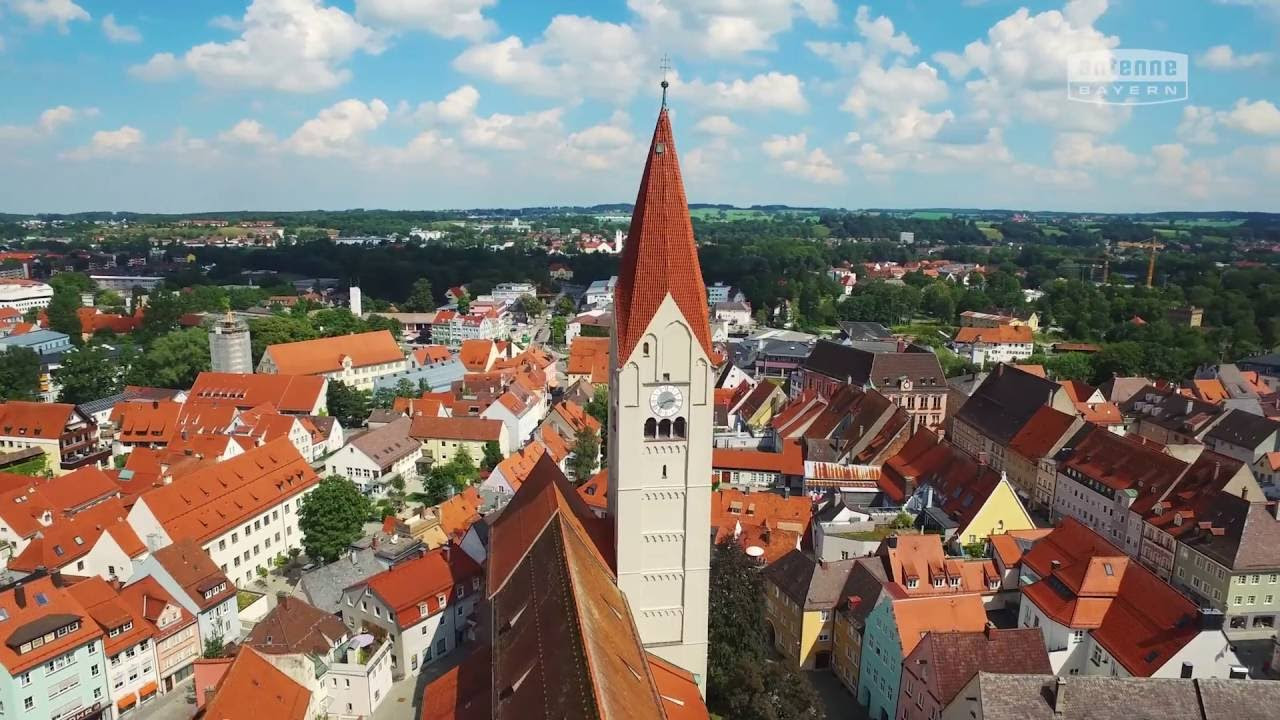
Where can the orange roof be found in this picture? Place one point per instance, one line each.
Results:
(763, 519)
(45, 421)
(589, 356)
(431, 354)
(471, 429)
(92, 320)
(429, 404)
(1038, 437)
(459, 512)
(660, 257)
(66, 541)
(681, 699)
(788, 462)
(23, 504)
(1088, 583)
(517, 466)
(288, 393)
(147, 598)
(1008, 546)
(917, 616)
(212, 500)
(998, 334)
(595, 492)
(24, 608)
(558, 446)
(110, 612)
(576, 417)
(322, 355)
(1211, 391)
(193, 570)
(408, 587)
(1037, 370)
(253, 687)
(918, 559)
(477, 355)
(1272, 460)
(154, 421)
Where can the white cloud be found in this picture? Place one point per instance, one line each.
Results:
(1223, 57)
(446, 18)
(118, 33)
(768, 91)
(575, 55)
(1271, 159)
(48, 12)
(718, 125)
(724, 29)
(779, 145)
(459, 104)
(1197, 125)
(1173, 168)
(606, 146)
(1020, 69)
(509, 132)
(338, 129)
(889, 89)
(1255, 118)
(288, 45)
(878, 39)
(797, 160)
(248, 132)
(1081, 150)
(48, 123)
(109, 143)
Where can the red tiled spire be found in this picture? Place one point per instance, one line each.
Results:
(660, 256)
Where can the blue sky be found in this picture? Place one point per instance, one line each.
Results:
(295, 104)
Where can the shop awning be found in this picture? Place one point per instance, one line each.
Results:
(148, 689)
(127, 701)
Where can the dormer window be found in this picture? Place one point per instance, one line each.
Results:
(442, 599)
(912, 583)
(937, 582)
(462, 589)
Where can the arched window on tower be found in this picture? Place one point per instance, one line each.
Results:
(650, 428)
(679, 428)
(645, 349)
(664, 429)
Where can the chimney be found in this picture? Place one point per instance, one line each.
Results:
(1059, 697)
(20, 596)
(448, 552)
(155, 404)
(892, 541)
(902, 345)
(1190, 407)
(1055, 565)
(989, 630)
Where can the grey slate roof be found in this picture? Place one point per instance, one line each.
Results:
(389, 443)
(862, 589)
(811, 584)
(1005, 401)
(437, 378)
(1244, 429)
(323, 586)
(879, 369)
(1032, 697)
(865, 331)
(1251, 534)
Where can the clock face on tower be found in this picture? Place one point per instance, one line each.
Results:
(666, 401)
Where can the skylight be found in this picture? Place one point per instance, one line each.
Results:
(42, 599)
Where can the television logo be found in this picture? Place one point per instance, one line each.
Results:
(1127, 77)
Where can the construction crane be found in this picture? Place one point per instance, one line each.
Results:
(1151, 264)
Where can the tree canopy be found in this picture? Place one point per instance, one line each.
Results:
(331, 517)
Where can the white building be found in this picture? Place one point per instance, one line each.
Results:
(372, 459)
(600, 293)
(520, 414)
(186, 572)
(356, 360)
(423, 605)
(513, 291)
(23, 295)
(989, 346)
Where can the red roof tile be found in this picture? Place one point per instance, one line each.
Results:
(1041, 433)
(45, 421)
(194, 571)
(788, 462)
(110, 612)
(995, 335)
(408, 587)
(589, 356)
(68, 540)
(288, 393)
(254, 688)
(660, 256)
(322, 355)
(23, 607)
(473, 429)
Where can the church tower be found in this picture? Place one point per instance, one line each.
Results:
(661, 388)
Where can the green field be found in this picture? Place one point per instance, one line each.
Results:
(929, 215)
(992, 233)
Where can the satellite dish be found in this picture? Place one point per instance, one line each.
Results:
(755, 551)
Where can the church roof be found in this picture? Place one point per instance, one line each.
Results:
(660, 256)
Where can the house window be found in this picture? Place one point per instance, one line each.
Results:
(441, 599)
(461, 590)
(29, 703)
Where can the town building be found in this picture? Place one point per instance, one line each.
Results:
(1229, 559)
(766, 525)
(97, 541)
(356, 360)
(944, 663)
(989, 346)
(444, 437)
(52, 663)
(1102, 613)
(600, 293)
(1244, 436)
(801, 595)
(251, 686)
(188, 575)
(174, 630)
(999, 407)
(243, 512)
(913, 380)
(423, 606)
(372, 459)
(128, 647)
(30, 507)
(67, 437)
(23, 295)
(759, 469)
(860, 595)
(1169, 417)
(1029, 462)
(588, 360)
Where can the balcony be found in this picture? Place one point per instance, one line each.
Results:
(88, 455)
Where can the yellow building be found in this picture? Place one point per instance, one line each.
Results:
(444, 437)
(756, 407)
(801, 600)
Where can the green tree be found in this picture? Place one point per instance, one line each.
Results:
(333, 322)
(349, 405)
(62, 313)
(531, 306)
(565, 306)
(743, 680)
(73, 282)
(173, 360)
(331, 517)
(598, 406)
(464, 304)
(278, 329)
(87, 373)
(420, 298)
(161, 315)
(492, 455)
(214, 647)
(447, 479)
(382, 322)
(19, 374)
(557, 330)
(586, 455)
